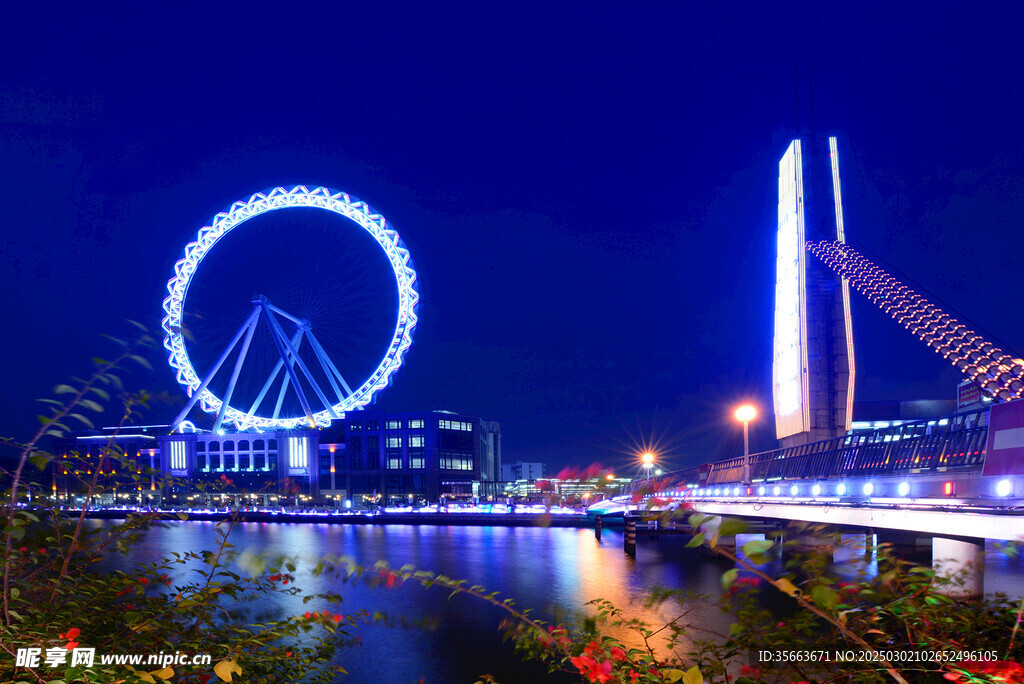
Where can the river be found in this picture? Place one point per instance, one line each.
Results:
(544, 569)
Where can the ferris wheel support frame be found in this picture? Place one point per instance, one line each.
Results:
(288, 353)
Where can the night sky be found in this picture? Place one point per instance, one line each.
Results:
(588, 190)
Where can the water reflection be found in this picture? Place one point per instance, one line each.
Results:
(540, 568)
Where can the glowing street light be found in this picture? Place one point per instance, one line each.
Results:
(648, 460)
(746, 413)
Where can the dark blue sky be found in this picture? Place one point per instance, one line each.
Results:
(588, 191)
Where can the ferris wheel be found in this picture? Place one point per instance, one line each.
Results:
(316, 385)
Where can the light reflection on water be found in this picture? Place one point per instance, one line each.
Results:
(540, 568)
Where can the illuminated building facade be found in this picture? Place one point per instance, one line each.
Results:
(392, 458)
(370, 456)
(813, 366)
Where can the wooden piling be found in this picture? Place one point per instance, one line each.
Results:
(629, 539)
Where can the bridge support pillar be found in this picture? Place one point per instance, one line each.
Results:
(597, 528)
(963, 561)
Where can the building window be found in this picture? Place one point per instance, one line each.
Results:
(259, 445)
(417, 459)
(415, 441)
(229, 445)
(214, 446)
(244, 462)
(229, 461)
(373, 425)
(355, 426)
(261, 462)
(393, 425)
(416, 424)
(273, 445)
(455, 425)
(394, 442)
(243, 445)
(394, 461)
(215, 462)
(200, 446)
(298, 452)
(455, 460)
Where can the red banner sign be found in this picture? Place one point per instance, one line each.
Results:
(1004, 453)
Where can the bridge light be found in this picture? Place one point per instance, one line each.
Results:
(840, 489)
(793, 490)
(816, 490)
(777, 491)
(735, 491)
(718, 491)
(1004, 488)
(949, 489)
(760, 491)
(904, 488)
(869, 489)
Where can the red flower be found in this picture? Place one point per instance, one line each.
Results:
(634, 675)
(999, 670)
(751, 672)
(71, 645)
(227, 480)
(23, 549)
(618, 653)
(70, 634)
(337, 618)
(287, 654)
(307, 615)
(568, 473)
(142, 580)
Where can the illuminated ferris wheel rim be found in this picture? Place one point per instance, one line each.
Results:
(279, 198)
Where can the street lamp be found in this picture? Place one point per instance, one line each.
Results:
(745, 414)
(648, 460)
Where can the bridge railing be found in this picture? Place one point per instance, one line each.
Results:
(957, 442)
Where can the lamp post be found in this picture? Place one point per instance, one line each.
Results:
(648, 460)
(745, 414)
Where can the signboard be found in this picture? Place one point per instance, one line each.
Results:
(789, 366)
(1004, 452)
(967, 394)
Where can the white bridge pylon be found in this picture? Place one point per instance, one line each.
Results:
(288, 353)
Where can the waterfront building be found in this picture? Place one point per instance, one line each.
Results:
(394, 458)
(522, 470)
(370, 457)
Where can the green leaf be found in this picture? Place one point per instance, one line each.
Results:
(698, 519)
(826, 597)
(697, 540)
(64, 389)
(693, 676)
(91, 405)
(225, 669)
(728, 577)
(787, 587)
(757, 546)
(39, 459)
(141, 361)
(730, 527)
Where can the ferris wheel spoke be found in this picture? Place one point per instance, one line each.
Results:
(300, 363)
(216, 367)
(238, 368)
(273, 376)
(329, 368)
(281, 343)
